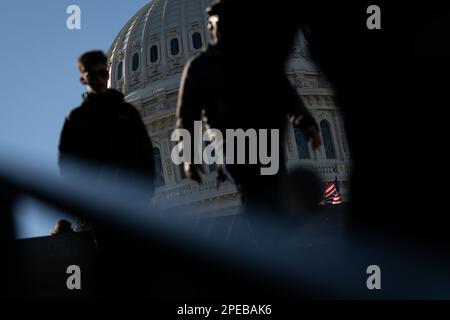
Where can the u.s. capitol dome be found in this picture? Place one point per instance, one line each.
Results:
(146, 62)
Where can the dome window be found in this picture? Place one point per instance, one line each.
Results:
(181, 171)
(174, 46)
(159, 173)
(197, 40)
(213, 166)
(154, 54)
(120, 70)
(327, 139)
(302, 145)
(135, 62)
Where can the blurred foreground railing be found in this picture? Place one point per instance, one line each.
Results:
(274, 254)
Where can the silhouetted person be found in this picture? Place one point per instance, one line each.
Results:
(62, 227)
(222, 86)
(110, 134)
(105, 130)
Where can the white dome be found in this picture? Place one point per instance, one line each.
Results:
(148, 39)
(151, 49)
(146, 61)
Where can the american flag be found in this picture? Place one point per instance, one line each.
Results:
(331, 195)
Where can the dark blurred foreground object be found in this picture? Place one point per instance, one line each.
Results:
(61, 227)
(390, 84)
(162, 254)
(133, 269)
(43, 264)
(301, 192)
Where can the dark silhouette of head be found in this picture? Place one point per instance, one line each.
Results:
(94, 71)
(216, 21)
(62, 227)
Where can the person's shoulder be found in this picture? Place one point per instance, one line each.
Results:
(129, 109)
(75, 113)
(193, 62)
(198, 64)
(201, 58)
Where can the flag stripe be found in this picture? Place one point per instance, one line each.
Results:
(331, 195)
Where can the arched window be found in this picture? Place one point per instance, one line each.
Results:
(154, 53)
(213, 166)
(327, 139)
(302, 145)
(135, 62)
(179, 167)
(197, 40)
(159, 173)
(181, 170)
(174, 46)
(120, 70)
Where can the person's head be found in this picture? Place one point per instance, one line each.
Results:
(62, 226)
(93, 67)
(216, 19)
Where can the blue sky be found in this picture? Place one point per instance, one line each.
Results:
(39, 81)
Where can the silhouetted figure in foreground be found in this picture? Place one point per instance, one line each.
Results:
(110, 134)
(222, 85)
(105, 130)
(62, 227)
